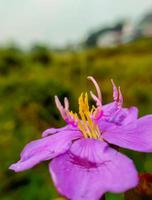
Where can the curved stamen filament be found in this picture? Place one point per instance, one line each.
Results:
(120, 97)
(115, 91)
(60, 108)
(64, 111)
(66, 103)
(96, 86)
(117, 95)
(98, 99)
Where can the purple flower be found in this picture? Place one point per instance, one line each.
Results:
(83, 164)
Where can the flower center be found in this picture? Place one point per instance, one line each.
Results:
(86, 121)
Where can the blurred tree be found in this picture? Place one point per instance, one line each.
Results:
(41, 54)
(10, 59)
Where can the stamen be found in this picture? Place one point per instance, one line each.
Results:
(96, 86)
(92, 109)
(115, 91)
(98, 102)
(117, 95)
(86, 121)
(65, 111)
(120, 101)
(60, 107)
(98, 99)
(66, 104)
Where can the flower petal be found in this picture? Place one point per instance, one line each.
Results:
(131, 115)
(109, 108)
(44, 149)
(136, 136)
(123, 117)
(119, 116)
(51, 131)
(90, 168)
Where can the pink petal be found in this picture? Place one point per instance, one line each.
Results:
(44, 149)
(136, 136)
(90, 169)
(121, 116)
(51, 131)
(132, 115)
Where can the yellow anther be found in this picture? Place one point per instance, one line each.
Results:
(85, 123)
(92, 109)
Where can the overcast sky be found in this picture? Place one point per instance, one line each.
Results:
(60, 21)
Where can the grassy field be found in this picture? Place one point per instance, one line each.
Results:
(28, 83)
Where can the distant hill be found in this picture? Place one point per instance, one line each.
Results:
(120, 33)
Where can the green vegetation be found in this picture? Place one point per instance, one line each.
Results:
(28, 83)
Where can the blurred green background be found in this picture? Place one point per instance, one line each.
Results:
(30, 79)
